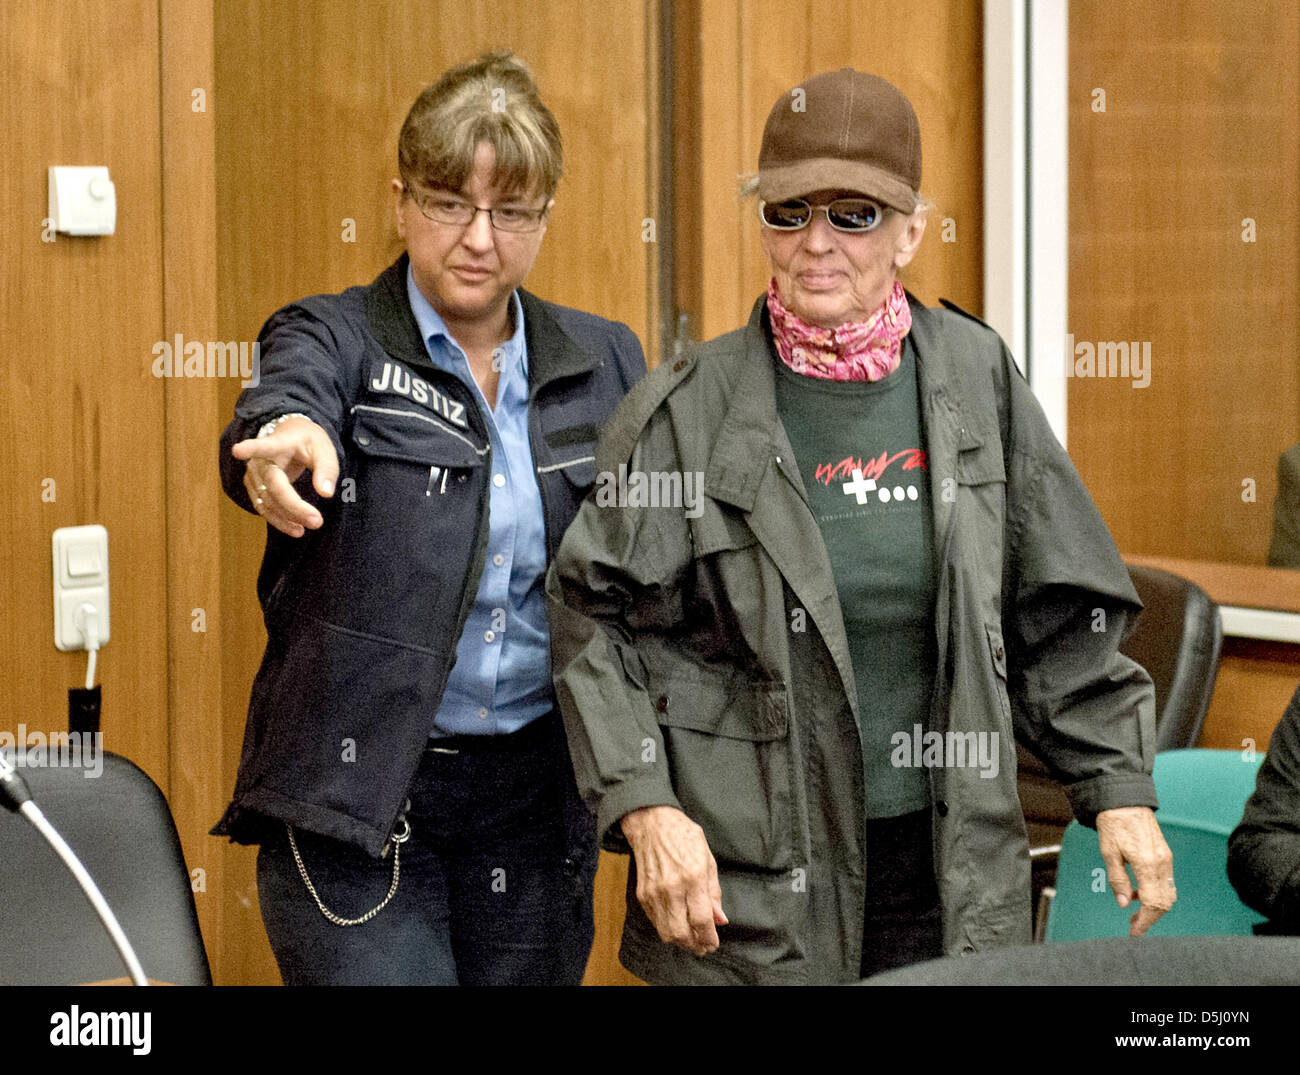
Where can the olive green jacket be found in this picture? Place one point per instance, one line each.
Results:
(701, 659)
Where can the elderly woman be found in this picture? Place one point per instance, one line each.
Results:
(795, 702)
(404, 767)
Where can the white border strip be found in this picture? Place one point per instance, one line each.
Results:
(1260, 623)
(1049, 205)
(1005, 242)
(1026, 193)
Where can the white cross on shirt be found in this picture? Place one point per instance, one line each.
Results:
(860, 486)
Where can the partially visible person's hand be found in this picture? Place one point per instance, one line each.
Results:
(277, 461)
(1131, 834)
(676, 877)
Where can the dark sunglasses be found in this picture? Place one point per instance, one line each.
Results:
(843, 214)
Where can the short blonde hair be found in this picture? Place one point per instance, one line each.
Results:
(492, 99)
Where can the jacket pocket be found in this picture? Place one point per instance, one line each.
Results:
(579, 471)
(400, 532)
(728, 751)
(979, 457)
(340, 719)
(408, 436)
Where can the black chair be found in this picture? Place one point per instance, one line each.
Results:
(1112, 961)
(121, 828)
(1177, 639)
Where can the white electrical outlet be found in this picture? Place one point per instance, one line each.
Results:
(82, 201)
(80, 579)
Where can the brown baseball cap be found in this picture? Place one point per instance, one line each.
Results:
(846, 130)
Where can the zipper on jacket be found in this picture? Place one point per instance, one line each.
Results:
(423, 418)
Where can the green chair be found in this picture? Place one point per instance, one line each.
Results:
(1202, 795)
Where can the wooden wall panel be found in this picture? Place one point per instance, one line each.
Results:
(310, 97)
(1255, 684)
(1197, 137)
(80, 407)
(193, 409)
(738, 56)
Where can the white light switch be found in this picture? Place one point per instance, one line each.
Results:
(83, 562)
(83, 201)
(80, 578)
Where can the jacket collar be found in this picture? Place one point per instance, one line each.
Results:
(552, 354)
(388, 313)
(751, 434)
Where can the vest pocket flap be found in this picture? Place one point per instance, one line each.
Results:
(725, 704)
(395, 433)
(719, 528)
(581, 471)
(979, 458)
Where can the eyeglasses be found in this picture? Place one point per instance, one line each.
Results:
(843, 214)
(443, 208)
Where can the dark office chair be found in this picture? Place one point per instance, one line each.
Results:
(120, 826)
(1159, 961)
(1177, 640)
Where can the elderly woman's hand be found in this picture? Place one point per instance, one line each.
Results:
(1131, 834)
(676, 877)
(276, 461)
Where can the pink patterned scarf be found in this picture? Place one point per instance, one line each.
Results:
(854, 351)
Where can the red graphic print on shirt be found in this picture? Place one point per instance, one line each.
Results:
(868, 477)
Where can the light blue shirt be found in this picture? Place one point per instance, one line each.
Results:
(501, 679)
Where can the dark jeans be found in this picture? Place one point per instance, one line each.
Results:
(903, 921)
(490, 890)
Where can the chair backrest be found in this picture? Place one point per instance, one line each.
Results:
(1202, 795)
(1177, 640)
(121, 828)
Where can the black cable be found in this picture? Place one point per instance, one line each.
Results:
(13, 788)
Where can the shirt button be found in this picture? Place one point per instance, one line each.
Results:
(498, 480)
(498, 559)
(489, 636)
(482, 712)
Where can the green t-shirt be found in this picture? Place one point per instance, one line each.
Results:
(859, 450)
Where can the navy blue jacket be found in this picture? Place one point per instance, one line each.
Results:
(363, 615)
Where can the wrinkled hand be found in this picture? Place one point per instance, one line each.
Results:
(277, 461)
(1131, 834)
(676, 877)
